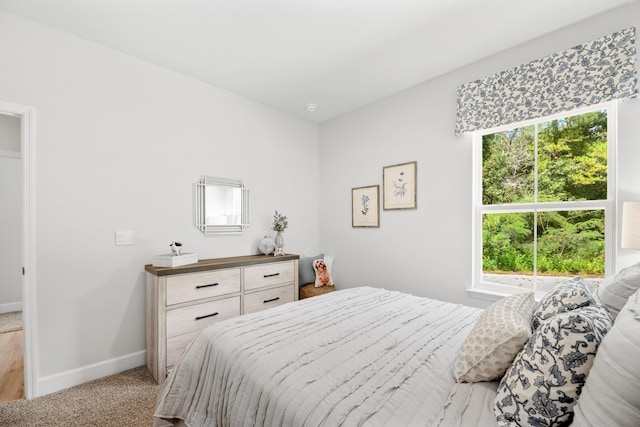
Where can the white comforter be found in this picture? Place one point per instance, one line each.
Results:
(360, 356)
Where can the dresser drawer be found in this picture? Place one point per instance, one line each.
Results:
(262, 275)
(197, 317)
(261, 300)
(177, 345)
(195, 286)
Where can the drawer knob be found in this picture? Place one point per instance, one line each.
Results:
(271, 300)
(271, 275)
(207, 286)
(206, 315)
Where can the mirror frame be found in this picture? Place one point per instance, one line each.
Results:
(199, 206)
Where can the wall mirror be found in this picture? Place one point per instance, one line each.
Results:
(221, 206)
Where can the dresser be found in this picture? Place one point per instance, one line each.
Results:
(181, 301)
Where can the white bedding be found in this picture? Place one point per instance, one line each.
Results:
(360, 356)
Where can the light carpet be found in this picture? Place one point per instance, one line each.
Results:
(10, 322)
(125, 399)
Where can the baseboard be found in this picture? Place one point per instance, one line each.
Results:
(64, 380)
(12, 306)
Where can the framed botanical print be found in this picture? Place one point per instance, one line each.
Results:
(365, 206)
(399, 186)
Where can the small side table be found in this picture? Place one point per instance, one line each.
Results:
(308, 291)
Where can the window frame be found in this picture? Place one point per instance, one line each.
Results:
(493, 291)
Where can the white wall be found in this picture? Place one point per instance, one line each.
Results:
(10, 232)
(119, 143)
(428, 251)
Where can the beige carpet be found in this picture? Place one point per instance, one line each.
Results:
(126, 399)
(10, 322)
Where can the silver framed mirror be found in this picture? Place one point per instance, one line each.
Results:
(221, 205)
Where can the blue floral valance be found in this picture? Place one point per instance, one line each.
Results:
(584, 75)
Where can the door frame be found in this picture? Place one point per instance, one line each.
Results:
(27, 155)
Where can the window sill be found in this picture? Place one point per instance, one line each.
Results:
(486, 295)
(492, 294)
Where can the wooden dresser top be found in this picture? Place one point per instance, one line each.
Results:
(218, 263)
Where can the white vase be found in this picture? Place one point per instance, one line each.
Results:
(279, 240)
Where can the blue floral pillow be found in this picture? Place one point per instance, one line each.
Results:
(564, 297)
(546, 378)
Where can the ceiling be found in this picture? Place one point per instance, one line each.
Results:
(338, 54)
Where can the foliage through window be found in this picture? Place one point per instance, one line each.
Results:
(545, 197)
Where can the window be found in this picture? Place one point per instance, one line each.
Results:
(544, 198)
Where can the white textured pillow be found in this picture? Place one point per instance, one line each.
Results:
(543, 384)
(615, 291)
(611, 394)
(495, 340)
(328, 259)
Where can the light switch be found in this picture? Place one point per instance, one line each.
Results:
(124, 237)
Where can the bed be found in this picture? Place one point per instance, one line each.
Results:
(361, 356)
(373, 357)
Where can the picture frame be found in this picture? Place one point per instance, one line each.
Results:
(399, 186)
(365, 206)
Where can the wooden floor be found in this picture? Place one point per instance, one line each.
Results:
(11, 366)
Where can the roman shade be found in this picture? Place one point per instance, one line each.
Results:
(584, 75)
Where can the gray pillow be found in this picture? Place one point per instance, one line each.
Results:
(615, 291)
(611, 394)
(306, 273)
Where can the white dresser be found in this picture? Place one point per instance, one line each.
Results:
(181, 301)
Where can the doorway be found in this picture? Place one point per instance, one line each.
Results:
(17, 159)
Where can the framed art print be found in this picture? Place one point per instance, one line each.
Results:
(399, 186)
(365, 206)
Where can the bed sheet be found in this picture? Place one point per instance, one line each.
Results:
(355, 357)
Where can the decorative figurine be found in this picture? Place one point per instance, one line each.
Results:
(266, 245)
(176, 248)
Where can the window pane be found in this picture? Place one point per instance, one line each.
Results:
(507, 249)
(508, 166)
(572, 158)
(570, 243)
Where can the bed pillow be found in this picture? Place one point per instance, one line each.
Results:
(306, 274)
(544, 382)
(566, 296)
(611, 394)
(614, 291)
(495, 340)
(323, 273)
(328, 259)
